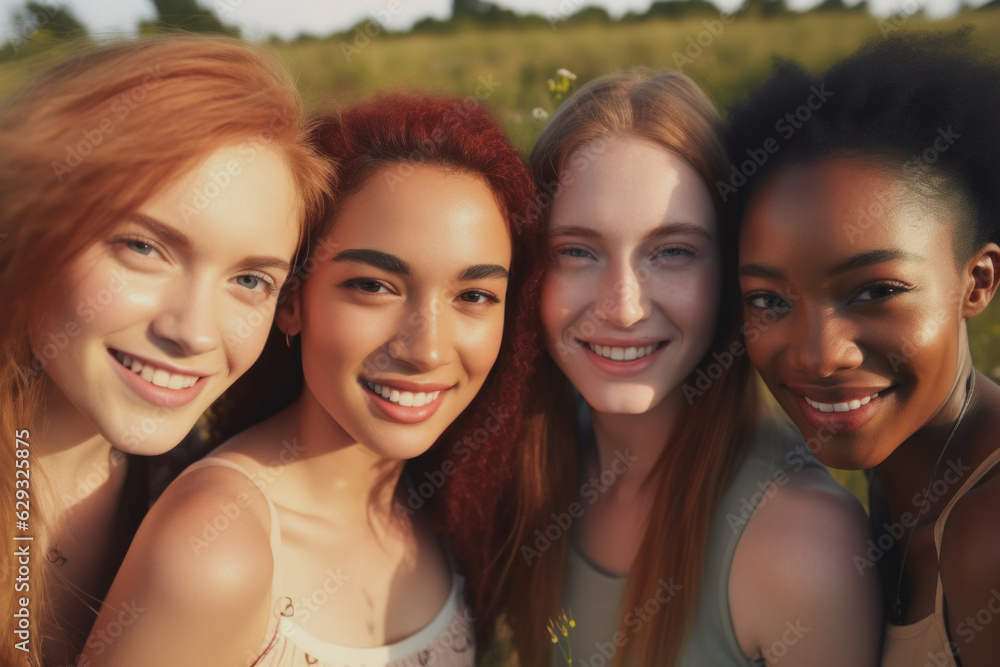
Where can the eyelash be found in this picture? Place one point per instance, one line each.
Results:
(268, 287)
(683, 250)
(895, 288)
(357, 283)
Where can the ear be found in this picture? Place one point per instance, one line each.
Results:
(288, 315)
(982, 274)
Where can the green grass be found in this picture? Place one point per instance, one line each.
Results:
(518, 63)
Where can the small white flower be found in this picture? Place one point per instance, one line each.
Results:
(539, 113)
(566, 74)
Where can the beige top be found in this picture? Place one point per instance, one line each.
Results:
(926, 641)
(593, 596)
(447, 641)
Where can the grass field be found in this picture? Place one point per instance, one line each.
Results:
(508, 69)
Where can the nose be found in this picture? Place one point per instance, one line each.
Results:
(426, 339)
(623, 293)
(825, 343)
(188, 317)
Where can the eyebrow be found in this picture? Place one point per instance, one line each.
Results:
(392, 264)
(175, 237)
(481, 271)
(663, 230)
(865, 259)
(169, 234)
(378, 259)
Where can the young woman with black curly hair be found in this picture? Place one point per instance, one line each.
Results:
(869, 239)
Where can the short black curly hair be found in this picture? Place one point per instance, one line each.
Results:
(924, 105)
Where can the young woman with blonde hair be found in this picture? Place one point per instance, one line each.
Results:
(152, 198)
(674, 522)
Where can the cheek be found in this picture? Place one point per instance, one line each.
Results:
(692, 300)
(479, 346)
(562, 297)
(244, 334)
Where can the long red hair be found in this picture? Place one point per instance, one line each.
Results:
(82, 146)
(706, 444)
(460, 135)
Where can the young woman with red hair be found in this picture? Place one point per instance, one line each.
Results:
(310, 537)
(152, 196)
(681, 526)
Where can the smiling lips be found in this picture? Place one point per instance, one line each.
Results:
(623, 353)
(840, 407)
(406, 402)
(845, 414)
(154, 375)
(407, 399)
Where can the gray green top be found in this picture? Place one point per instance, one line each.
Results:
(593, 596)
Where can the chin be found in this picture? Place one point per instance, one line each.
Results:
(621, 401)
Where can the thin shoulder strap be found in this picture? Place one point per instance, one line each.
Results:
(981, 471)
(275, 531)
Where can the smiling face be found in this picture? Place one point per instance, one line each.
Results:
(629, 302)
(854, 306)
(401, 327)
(149, 325)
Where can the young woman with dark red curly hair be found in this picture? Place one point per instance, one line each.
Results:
(310, 537)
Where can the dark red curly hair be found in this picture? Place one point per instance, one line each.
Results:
(461, 135)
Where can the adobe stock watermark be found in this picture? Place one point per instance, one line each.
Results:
(53, 343)
(101, 638)
(459, 112)
(898, 17)
(591, 491)
(230, 512)
(418, 494)
(222, 176)
(121, 107)
(30, 22)
(706, 375)
(365, 32)
(579, 161)
(697, 44)
(635, 620)
(786, 126)
(953, 474)
(918, 166)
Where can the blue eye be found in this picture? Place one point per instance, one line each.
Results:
(573, 251)
(250, 282)
(675, 251)
(138, 246)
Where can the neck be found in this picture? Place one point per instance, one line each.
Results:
(339, 469)
(905, 475)
(640, 438)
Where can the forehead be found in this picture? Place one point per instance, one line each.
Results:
(426, 214)
(839, 207)
(627, 183)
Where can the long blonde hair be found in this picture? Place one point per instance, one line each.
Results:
(82, 146)
(707, 443)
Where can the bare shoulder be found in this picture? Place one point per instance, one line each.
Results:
(199, 573)
(970, 552)
(796, 568)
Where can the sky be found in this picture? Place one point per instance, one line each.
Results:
(288, 18)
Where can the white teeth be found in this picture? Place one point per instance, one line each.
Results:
(840, 407)
(156, 376)
(622, 353)
(407, 399)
